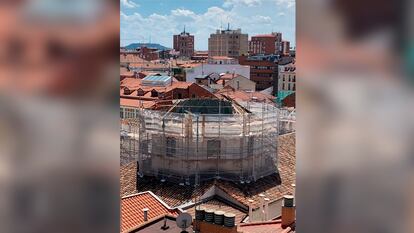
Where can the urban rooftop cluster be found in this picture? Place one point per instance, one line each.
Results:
(209, 134)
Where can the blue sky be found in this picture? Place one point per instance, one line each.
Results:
(159, 20)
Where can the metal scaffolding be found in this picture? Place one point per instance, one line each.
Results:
(189, 147)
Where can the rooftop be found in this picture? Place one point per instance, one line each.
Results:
(264, 35)
(243, 96)
(132, 213)
(273, 186)
(264, 227)
(156, 225)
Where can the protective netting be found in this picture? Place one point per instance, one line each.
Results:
(189, 147)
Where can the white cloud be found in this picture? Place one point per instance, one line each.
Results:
(263, 19)
(286, 3)
(129, 3)
(250, 3)
(182, 12)
(281, 14)
(252, 20)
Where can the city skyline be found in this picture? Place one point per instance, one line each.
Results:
(144, 21)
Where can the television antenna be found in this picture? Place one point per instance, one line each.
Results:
(184, 221)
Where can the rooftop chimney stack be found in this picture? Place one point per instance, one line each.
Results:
(145, 210)
(262, 197)
(288, 211)
(266, 210)
(250, 210)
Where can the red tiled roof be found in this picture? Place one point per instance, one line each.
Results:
(134, 84)
(238, 95)
(264, 227)
(131, 209)
(135, 103)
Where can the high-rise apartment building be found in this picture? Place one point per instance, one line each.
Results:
(285, 47)
(262, 44)
(230, 43)
(278, 42)
(184, 43)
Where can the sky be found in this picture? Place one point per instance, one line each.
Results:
(156, 21)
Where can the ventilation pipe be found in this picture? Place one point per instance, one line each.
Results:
(145, 210)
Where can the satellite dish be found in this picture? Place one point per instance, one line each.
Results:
(184, 221)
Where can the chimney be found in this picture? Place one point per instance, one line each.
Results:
(266, 210)
(288, 211)
(262, 197)
(145, 210)
(250, 210)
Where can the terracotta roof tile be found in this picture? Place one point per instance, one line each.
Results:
(135, 103)
(131, 209)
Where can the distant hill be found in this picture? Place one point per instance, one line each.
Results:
(134, 46)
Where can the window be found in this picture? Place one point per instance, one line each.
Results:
(140, 92)
(154, 93)
(180, 96)
(171, 144)
(213, 148)
(127, 91)
(193, 96)
(122, 113)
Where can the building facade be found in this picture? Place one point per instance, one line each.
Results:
(262, 44)
(264, 72)
(287, 78)
(285, 47)
(278, 42)
(231, 43)
(184, 43)
(148, 54)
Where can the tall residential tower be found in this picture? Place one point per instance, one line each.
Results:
(184, 43)
(229, 43)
